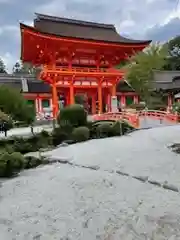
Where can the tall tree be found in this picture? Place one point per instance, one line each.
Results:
(13, 103)
(139, 71)
(173, 59)
(17, 68)
(23, 68)
(2, 66)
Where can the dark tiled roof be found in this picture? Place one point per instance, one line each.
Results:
(167, 80)
(15, 81)
(123, 86)
(10, 80)
(38, 87)
(81, 29)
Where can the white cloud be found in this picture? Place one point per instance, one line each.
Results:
(173, 14)
(9, 60)
(130, 16)
(12, 30)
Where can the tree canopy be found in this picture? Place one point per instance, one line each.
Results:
(13, 103)
(24, 68)
(2, 66)
(139, 70)
(173, 56)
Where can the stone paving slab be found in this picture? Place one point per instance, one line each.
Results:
(65, 202)
(141, 153)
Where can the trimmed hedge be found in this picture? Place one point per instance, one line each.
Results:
(104, 130)
(73, 115)
(25, 145)
(59, 135)
(10, 164)
(80, 134)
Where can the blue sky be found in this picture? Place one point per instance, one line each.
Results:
(158, 20)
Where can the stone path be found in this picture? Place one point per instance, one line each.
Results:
(26, 131)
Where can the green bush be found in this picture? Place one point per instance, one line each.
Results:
(32, 162)
(18, 160)
(137, 106)
(74, 115)
(104, 130)
(23, 146)
(3, 163)
(10, 164)
(158, 107)
(80, 134)
(176, 107)
(94, 125)
(117, 129)
(59, 135)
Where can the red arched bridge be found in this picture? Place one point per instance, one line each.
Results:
(135, 118)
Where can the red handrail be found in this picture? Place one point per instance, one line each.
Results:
(82, 69)
(134, 118)
(160, 115)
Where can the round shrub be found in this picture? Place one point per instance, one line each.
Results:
(104, 130)
(80, 134)
(117, 128)
(18, 160)
(120, 128)
(32, 162)
(75, 115)
(9, 148)
(23, 146)
(3, 163)
(94, 132)
(58, 136)
(44, 134)
(10, 164)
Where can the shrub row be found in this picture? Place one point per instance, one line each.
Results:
(73, 127)
(12, 163)
(93, 130)
(25, 145)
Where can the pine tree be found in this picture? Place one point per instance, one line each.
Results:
(2, 67)
(17, 68)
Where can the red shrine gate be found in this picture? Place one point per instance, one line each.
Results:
(77, 57)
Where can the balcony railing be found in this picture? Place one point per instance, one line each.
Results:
(81, 70)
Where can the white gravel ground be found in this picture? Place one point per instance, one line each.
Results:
(69, 202)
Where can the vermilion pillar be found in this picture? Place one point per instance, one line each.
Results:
(100, 97)
(54, 101)
(136, 99)
(71, 93)
(114, 90)
(123, 101)
(107, 99)
(37, 104)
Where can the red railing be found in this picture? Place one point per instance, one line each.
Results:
(112, 71)
(82, 69)
(159, 115)
(134, 118)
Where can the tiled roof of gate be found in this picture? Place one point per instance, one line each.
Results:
(167, 80)
(11, 80)
(81, 29)
(37, 86)
(123, 86)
